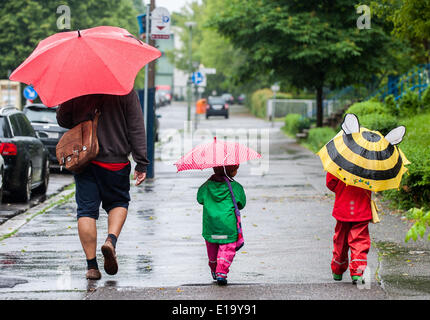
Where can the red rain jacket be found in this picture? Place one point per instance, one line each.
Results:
(352, 203)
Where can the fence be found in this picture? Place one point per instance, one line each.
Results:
(417, 78)
(279, 108)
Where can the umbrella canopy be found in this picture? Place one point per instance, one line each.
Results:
(365, 158)
(215, 154)
(100, 60)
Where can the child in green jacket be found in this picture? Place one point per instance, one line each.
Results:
(219, 219)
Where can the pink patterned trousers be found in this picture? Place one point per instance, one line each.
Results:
(220, 257)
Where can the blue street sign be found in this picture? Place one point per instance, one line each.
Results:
(141, 21)
(30, 93)
(197, 77)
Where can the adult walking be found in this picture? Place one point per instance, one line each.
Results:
(82, 71)
(106, 180)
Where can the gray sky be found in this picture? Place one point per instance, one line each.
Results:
(172, 5)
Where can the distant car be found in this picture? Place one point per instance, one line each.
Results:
(25, 156)
(1, 177)
(228, 97)
(44, 122)
(241, 99)
(166, 96)
(216, 106)
(165, 92)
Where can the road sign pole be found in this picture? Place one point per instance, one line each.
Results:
(145, 97)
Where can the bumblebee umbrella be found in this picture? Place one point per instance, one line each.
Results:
(216, 154)
(365, 158)
(102, 60)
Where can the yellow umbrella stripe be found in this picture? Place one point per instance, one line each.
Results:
(378, 145)
(369, 163)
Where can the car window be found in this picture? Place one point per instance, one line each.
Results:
(16, 128)
(216, 101)
(4, 128)
(26, 128)
(41, 115)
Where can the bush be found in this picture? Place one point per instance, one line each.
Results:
(425, 100)
(415, 188)
(391, 105)
(409, 104)
(282, 95)
(383, 123)
(367, 107)
(318, 137)
(295, 123)
(259, 102)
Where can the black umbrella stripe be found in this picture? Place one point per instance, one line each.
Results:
(368, 154)
(364, 173)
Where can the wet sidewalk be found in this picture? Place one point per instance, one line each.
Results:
(287, 225)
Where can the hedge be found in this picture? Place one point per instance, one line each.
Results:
(367, 107)
(259, 102)
(259, 99)
(318, 137)
(295, 123)
(383, 123)
(415, 189)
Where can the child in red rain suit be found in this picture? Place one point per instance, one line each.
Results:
(353, 213)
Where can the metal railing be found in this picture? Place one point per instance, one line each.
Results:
(417, 78)
(279, 108)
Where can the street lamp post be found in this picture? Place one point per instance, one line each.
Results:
(190, 25)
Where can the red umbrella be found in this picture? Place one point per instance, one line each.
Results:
(97, 60)
(214, 154)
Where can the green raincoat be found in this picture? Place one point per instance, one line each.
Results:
(219, 218)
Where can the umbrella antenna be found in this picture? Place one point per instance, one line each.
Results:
(79, 33)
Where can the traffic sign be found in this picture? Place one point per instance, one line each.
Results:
(160, 23)
(208, 70)
(141, 21)
(30, 93)
(197, 77)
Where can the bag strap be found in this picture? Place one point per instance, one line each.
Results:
(232, 194)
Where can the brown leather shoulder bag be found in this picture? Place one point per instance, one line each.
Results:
(79, 146)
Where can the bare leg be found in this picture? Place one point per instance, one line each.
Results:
(116, 220)
(87, 230)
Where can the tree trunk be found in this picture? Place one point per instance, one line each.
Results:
(319, 106)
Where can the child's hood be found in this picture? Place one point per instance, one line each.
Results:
(218, 191)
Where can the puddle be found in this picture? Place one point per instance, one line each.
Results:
(146, 214)
(11, 282)
(407, 285)
(144, 264)
(404, 271)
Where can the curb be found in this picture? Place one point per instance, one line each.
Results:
(12, 225)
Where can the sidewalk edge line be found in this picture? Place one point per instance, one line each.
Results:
(11, 226)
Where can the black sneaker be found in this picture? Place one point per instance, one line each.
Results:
(221, 281)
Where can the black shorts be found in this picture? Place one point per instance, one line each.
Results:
(96, 185)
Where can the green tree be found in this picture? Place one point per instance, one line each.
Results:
(25, 23)
(312, 44)
(410, 20)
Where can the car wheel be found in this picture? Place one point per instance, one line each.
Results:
(24, 193)
(44, 186)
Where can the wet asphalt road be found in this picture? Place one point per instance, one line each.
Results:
(287, 225)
